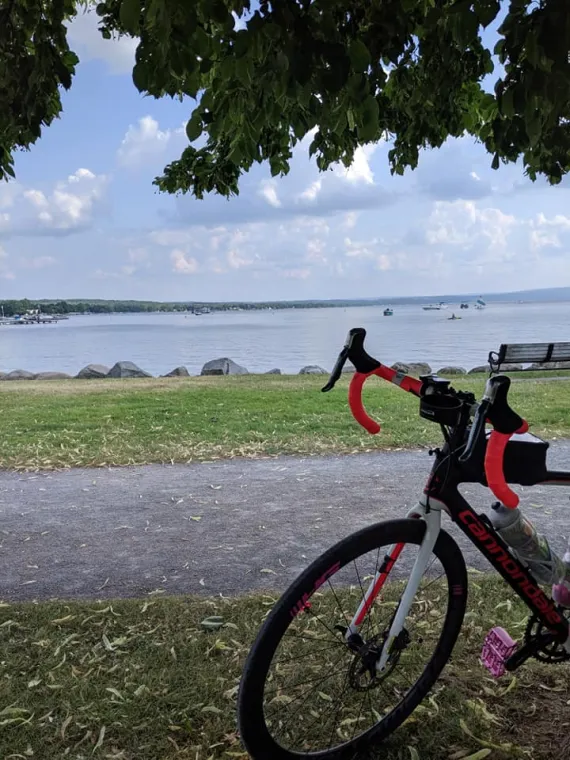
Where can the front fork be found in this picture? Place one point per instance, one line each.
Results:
(432, 519)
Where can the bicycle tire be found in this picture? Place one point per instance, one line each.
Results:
(252, 725)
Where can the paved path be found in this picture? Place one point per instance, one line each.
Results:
(212, 528)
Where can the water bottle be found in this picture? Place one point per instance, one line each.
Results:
(529, 546)
(561, 591)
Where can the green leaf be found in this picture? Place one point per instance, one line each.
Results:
(218, 11)
(495, 163)
(359, 56)
(130, 14)
(369, 127)
(140, 77)
(487, 11)
(508, 104)
(194, 127)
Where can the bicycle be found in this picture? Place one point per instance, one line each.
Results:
(366, 631)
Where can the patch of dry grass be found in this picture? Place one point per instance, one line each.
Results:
(48, 425)
(143, 679)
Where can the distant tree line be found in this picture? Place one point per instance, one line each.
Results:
(12, 308)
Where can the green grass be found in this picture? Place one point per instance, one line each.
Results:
(142, 680)
(120, 422)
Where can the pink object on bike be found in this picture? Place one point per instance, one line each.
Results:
(561, 594)
(497, 649)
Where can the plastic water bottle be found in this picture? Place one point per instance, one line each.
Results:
(561, 590)
(530, 547)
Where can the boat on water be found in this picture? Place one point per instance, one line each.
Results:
(436, 306)
(388, 312)
(480, 303)
(464, 306)
(453, 317)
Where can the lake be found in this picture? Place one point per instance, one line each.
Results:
(288, 339)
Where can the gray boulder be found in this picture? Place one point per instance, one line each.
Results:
(348, 369)
(178, 372)
(19, 374)
(127, 369)
(93, 372)
(451, 371)
(550, 365)
(483, 369)
(412, 368)
(273, 372)
(53, 376)
(223, 366)
(313, 369)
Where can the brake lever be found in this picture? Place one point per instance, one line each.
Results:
(337, 370)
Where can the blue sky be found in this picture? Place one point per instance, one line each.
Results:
(84, 221)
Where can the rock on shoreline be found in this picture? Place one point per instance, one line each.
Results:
(226, 366)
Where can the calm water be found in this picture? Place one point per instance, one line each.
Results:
(287, 339)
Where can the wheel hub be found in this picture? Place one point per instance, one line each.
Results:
(363, 675)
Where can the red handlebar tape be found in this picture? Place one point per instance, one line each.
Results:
(494, 471)
(405, 382)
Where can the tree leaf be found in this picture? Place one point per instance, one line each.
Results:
(359, 56)
(130, 13)
(368, 129)
(194, 127)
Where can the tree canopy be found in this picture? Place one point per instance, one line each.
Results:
(349, 72)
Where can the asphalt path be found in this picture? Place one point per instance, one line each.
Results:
(216, 528)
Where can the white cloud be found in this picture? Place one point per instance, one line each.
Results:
(268, 191)
(350, 219)
(316, 249)
(86, 40)
(361, 250)
(182, 263)
(461, 222)
(146, 142)
(359, 171)
(236, 260)
(70, 205)
(546, 233)
(310, 194)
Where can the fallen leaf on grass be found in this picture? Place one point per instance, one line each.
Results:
(213, 623)
(100, 739)
(267, 570)
(506, 747)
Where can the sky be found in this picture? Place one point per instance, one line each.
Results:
(83, 220)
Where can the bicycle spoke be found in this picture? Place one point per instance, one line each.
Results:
(320, 692)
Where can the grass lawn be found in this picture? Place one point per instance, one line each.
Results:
(143, 680)
(119, 422)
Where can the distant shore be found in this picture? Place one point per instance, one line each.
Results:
(123, 306)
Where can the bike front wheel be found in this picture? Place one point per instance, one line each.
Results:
(310, 689)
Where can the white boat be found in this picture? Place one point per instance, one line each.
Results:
(432, 307)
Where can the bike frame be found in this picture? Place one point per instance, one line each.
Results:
(442, 494)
